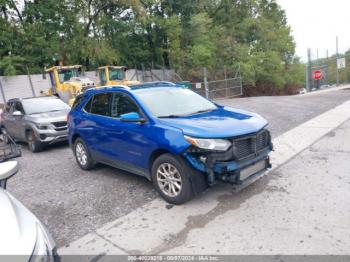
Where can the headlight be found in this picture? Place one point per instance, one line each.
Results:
(42, 127)
(209, 144)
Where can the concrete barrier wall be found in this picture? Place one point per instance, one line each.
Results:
(19, 86)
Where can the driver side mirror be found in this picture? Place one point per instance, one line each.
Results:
(132, 117)
(17, 113)
(7, 170)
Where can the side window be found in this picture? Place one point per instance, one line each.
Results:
(122, 104)
(87, 107)
(100, 105)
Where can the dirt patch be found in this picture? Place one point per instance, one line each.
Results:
(270, 90)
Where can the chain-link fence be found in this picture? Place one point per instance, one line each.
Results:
(217, 85)
(213, 85)
(226, 88)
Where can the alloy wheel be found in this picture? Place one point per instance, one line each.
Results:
(169, 180)
(81, 154)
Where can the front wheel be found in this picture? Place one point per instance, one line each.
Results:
(82, 155)
(4, 136)
(171, 178)
(33, 143)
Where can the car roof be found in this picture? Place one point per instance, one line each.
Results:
(153, 85)
(134, 88)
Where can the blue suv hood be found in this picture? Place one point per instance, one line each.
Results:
(220, 123)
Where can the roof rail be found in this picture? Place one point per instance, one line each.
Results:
(152, 84)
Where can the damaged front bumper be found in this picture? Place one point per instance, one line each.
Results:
(224, 166)
(51, 136)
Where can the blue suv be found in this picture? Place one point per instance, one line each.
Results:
(174, 137)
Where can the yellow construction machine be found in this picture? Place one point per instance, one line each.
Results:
(67, 82)
(114, 75)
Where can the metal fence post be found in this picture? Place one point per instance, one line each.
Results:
(136, 73)
(240, 79)
(206, 87)
(226, 82)
(143, 73)
(163, 73)
(30, 82)
(2, 92)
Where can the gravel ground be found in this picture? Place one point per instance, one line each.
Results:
(72, 202)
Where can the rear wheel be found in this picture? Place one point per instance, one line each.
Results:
(34, 143)
(171, 178)
(82, 155)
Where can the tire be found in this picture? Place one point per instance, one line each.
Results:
(34, 144)
(82, 155)
(4, 136)
(171, 177)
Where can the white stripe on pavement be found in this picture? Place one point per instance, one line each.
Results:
(153, 228)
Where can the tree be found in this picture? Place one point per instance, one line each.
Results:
(12, 65)
(184, 35)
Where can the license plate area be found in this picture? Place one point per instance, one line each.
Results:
(251, 170)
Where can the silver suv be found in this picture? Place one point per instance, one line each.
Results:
(38, 121)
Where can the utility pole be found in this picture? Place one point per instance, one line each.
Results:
(337, 56)
(308, 71)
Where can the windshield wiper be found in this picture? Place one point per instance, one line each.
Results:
(201, 111)
(170, 116)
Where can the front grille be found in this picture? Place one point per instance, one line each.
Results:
(60, 124)
(262, 140)
(251, 145)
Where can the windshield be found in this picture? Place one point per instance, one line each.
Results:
(66, 74)
(174, 102)
(116, 74)
(43, 105)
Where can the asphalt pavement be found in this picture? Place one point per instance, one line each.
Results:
(73, 203)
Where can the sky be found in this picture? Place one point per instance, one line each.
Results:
(316, 23)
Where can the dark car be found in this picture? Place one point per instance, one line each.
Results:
(38, 121)
(171, 135)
